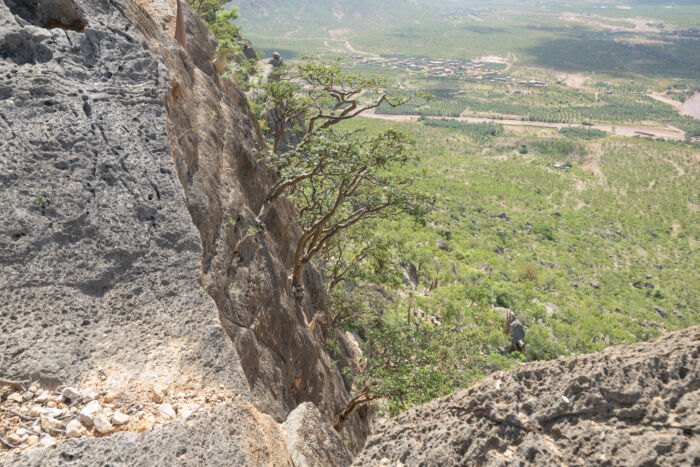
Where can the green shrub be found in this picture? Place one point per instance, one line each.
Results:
(528, 272)
(506, 295)
(540, 344)
(544, 231)
(582, 133)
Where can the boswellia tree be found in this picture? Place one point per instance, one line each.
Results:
(336, 180)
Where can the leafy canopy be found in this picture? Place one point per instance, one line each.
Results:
(341, 179)
(314, 96)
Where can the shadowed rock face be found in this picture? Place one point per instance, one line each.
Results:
(129, 175)
(629, 405)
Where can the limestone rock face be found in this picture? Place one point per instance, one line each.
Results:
(129, 184)
(98, 256)
(627, 405)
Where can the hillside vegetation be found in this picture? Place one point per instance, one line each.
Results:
(602, 252)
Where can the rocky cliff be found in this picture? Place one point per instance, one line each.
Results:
(131, 268)
(635, 405)
(146, 319)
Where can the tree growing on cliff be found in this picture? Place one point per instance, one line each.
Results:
(338, 180)
(410, 364)
(220, 21)
(313, 96)
(360, 254)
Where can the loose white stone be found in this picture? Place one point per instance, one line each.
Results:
(47, 442)
(565, 399)
(120, 419)
(75, 429)
(102, 424)
(70, 394)
(42, 398)
(87, 413)
(167, 410)
(55, 413)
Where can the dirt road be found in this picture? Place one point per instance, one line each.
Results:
(668, 132)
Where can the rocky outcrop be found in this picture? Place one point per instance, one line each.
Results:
(629, 405)
(129, 256)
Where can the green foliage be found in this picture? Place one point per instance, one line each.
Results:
(220, 21)
(318, 95)
(360, 254)
(582, 133)
(507, 295)
(339, 180)
(411, 365)
(544, 231)
(41, 201)
(226, 32)
(555, 104)
(537, 265)
(478, 133)
(541, 345)
(529, 272)
(207, 9)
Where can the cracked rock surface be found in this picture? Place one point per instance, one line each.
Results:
(636, 405)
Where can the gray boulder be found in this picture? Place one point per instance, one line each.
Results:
(276, 60)
(517, 334)
(312, 440)
(410, 274)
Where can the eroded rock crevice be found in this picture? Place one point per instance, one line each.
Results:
(48, 14)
